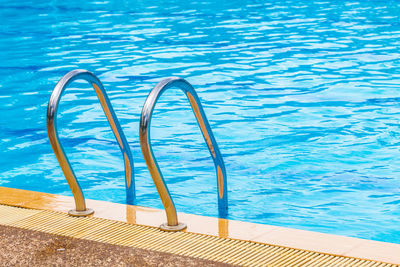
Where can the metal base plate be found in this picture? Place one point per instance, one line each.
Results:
(77, 213)
(173, 228)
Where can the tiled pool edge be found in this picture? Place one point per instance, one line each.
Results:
(151, 239)
(274, 235)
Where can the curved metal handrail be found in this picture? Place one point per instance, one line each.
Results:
(172, 219)
(69, 174)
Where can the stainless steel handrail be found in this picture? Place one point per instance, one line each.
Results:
(80, 205)
(145, 120)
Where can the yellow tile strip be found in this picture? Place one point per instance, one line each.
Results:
(225, 250)
(10, 215)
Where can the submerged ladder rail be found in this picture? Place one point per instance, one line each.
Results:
(80, 205)
(151, 162)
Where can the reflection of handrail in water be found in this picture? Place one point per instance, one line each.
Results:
(223, 228)
(172, 219)
(69, 174)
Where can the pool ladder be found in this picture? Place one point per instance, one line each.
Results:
(172, 223)
(145, 120)
(80, 204)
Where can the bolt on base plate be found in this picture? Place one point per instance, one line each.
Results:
(81, 213)
(173, 228)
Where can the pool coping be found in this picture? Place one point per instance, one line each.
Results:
(267, 234)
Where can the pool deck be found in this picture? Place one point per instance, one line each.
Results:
(22, 247)
(253, 240)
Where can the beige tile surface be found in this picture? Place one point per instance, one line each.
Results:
(51, 202)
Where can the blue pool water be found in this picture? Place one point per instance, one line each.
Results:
(303, 97)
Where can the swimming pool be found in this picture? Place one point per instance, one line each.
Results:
(303, 99)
